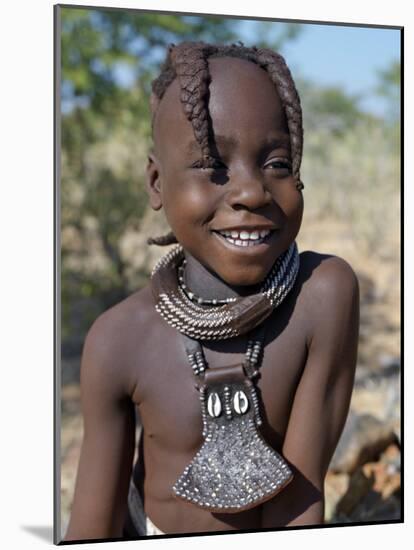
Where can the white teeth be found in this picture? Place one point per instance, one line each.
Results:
(242, 243)
(244, 238)
(245, 235)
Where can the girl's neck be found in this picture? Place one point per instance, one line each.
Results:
(208, 284)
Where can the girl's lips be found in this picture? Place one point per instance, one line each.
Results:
(251, 248)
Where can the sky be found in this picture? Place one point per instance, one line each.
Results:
(333, 55)
(339, 55)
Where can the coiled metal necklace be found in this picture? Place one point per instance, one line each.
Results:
(210, 319)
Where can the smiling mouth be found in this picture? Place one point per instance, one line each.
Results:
(245, 240)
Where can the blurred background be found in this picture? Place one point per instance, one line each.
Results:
(349, 82)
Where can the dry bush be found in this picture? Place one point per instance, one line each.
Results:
(355, 179)
(352, 209)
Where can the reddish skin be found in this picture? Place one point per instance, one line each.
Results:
(311, 345)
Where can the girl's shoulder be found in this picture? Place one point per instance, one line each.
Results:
(325, 274)
(122, 324)
(329, 291)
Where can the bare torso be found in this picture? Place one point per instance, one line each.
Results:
(169, 405)
(133, 360)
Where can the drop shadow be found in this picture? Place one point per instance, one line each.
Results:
(44, 532)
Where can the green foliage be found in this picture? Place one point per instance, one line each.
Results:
(329, 107)
(95, 43)
(357, 184)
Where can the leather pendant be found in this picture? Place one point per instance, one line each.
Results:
(234, 469)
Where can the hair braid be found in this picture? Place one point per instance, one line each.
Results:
(164, 240)
(192, 70)
(281, 76)
(188, 61)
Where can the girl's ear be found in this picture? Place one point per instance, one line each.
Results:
(153, 182)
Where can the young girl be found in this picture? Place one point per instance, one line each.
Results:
(240, 353)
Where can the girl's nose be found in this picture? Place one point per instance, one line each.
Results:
(247, 189)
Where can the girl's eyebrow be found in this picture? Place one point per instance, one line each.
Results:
(193, 146)
(272, 142)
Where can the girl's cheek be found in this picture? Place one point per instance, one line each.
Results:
(197, 197)
(290, 200)
(188, 205)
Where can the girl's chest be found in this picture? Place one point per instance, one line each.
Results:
(169, 401)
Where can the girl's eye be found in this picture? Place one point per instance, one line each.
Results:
(279, 164)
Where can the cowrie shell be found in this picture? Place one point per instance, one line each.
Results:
(214, 405)
(240, 402)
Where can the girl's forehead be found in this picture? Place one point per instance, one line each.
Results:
(241, 98)
(240, 88)
(238, 77)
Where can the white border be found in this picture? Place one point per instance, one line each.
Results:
(27, 271)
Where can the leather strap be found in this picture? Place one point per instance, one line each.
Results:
(226, 374)
(193, 346)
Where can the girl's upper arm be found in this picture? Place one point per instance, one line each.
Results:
(322, 398)
(107, 452)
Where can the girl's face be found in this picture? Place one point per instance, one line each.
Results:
(249, 190)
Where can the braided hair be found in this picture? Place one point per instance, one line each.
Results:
(188, 61)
